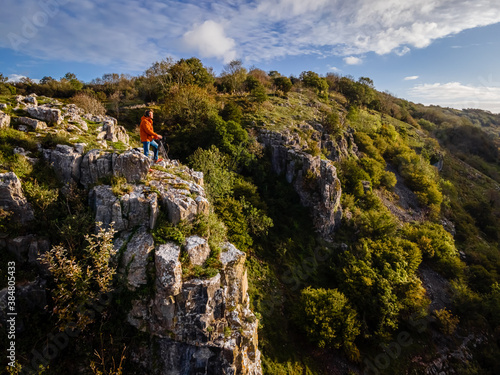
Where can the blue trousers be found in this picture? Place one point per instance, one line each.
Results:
(155, 149)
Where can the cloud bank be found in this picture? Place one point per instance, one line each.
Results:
(457, 95)
(133, 33)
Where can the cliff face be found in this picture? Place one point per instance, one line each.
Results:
(196, 326)
(313, 178)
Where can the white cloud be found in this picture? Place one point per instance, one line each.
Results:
(457, 95)
(15, 77)
(402, 51)
(334, 69)
(19, 77)
(410, 78)
(353, 60)
(134, 33)
(210, 41)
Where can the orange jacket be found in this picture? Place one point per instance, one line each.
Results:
(146, 129)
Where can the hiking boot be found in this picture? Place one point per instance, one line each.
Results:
(159, 160)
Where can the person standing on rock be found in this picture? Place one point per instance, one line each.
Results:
(148, 135)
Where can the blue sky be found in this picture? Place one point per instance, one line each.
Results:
(444, 52)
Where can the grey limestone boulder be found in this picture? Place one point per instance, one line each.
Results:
(33, 123)
(132, 165)
(66, 161)
(139, 207)
(96, 164)
(197, 249)
(31, 99)
(13, 200)
(4, 120)
(135, 258)
(168, 269)
(107, 207)
(110, 131)
(49, 115)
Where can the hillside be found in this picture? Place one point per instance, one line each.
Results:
(357, 232)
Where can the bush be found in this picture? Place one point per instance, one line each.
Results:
(79, 282)
(215, 167)
(446, 321)
(329, 320)
(89, 104)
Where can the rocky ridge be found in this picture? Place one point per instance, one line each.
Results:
(197, 326)
(313, 178)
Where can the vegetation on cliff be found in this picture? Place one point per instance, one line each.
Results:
(420, 197)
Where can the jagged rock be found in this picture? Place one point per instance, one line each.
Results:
(112, 132)
(99, 118)
(31, 99)
(27, 248)
(96, 164)
(30, 297)
(136, 208)
(107, 207)
(192, 319)
(234, 274)
(4, 120)
(35, 124)
(177, 196)
(180, 358)
(168, 270)
(314, 179)
(3, 106)
(132, 165)
(37, 248)
(197, 249)
(19, 247)
(66, 161)
(12, 199)
(49, 115)
(135, 258)
(139, 207)
(72, 114)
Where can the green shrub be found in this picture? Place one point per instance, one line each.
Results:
(329, 320)
(79, 282)
(446, 321)
(89, 104)
(435, 243)
(215, 167)
(40, 195)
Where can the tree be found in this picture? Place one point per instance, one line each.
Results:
(157, 79)
(260, 76)
(233, 76)
(282, 84)
(329, 320)
(191, 72)
(313, 80)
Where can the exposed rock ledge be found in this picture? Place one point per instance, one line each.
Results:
(313, 178)
(197, 326)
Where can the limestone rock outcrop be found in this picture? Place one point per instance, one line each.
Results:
(33, 123)
(45, 113)
(139, 207)
(13, 200)
(313, 178)
(4, 120)
(71, 164)
(201, 326)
